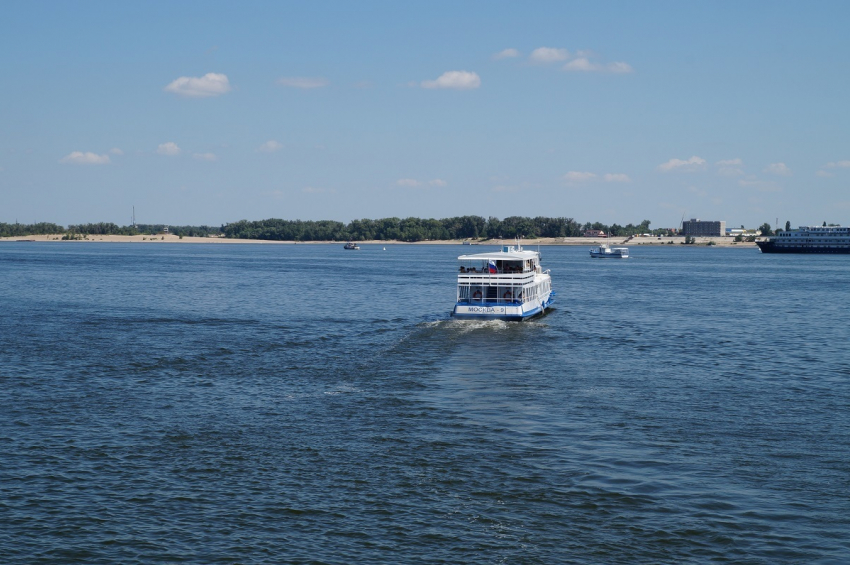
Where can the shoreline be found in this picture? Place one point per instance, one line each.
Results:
(725, 242)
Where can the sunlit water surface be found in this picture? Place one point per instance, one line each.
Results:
(306, 404)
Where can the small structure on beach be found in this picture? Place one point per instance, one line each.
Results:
(595, 233)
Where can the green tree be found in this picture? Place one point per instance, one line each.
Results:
(788, 225)
(765, 229)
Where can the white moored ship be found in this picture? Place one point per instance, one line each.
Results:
(808, 239)
(502, 285)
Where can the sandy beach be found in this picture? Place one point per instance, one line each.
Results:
(587, 241)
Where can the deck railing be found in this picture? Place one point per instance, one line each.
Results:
(498, 276)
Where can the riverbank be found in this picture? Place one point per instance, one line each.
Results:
(585, 241)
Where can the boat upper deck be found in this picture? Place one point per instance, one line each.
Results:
(508, 265)
(508, 253)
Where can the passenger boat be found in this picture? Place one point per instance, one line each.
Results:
(808, 239)
(503, 285)
(351, 245)
(604, 251)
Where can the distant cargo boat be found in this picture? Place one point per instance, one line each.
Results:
(808, 239)
(351, 245)
(606, 252)
(502, 285)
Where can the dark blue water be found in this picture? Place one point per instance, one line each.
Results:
(306, 404)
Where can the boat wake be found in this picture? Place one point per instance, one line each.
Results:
(466, 326)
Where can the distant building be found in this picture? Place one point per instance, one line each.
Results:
(595, 233)
(701, 228)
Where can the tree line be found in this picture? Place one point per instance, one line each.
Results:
(108, 228)
(417, 229)
(384, 229)
(19, 230)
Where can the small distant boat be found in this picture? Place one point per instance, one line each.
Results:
(604, 251)
(467, 243)
(351, 245)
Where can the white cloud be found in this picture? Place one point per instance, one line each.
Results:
(730, 167)
(619, 67)
(80, 158)
(169, 148)
(506, 54)
(824, 174)
(616, 177)
(459, 80)
(578, 176)
(270, 146)
(303, 82)
(761, 185)
(211, 84)
(581, 64)
(317, 190)
(693, 164)
(205, 156)
(841, 164)
(116, 151)
(549, 55)
(778, 169)
(413, 183)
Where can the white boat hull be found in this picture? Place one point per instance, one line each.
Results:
(502, 311)
(615, 253)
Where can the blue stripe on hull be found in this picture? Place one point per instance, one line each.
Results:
(526, 316)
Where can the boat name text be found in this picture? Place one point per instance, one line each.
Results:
(486, 310)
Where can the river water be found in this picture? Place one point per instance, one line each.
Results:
(305, 404)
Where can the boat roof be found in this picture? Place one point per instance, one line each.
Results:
(507, 253)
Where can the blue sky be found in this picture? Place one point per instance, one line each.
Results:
(210, 112)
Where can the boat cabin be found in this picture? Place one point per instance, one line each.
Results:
(506, 276)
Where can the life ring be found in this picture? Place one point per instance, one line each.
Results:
(508, 294)
(476, 295)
